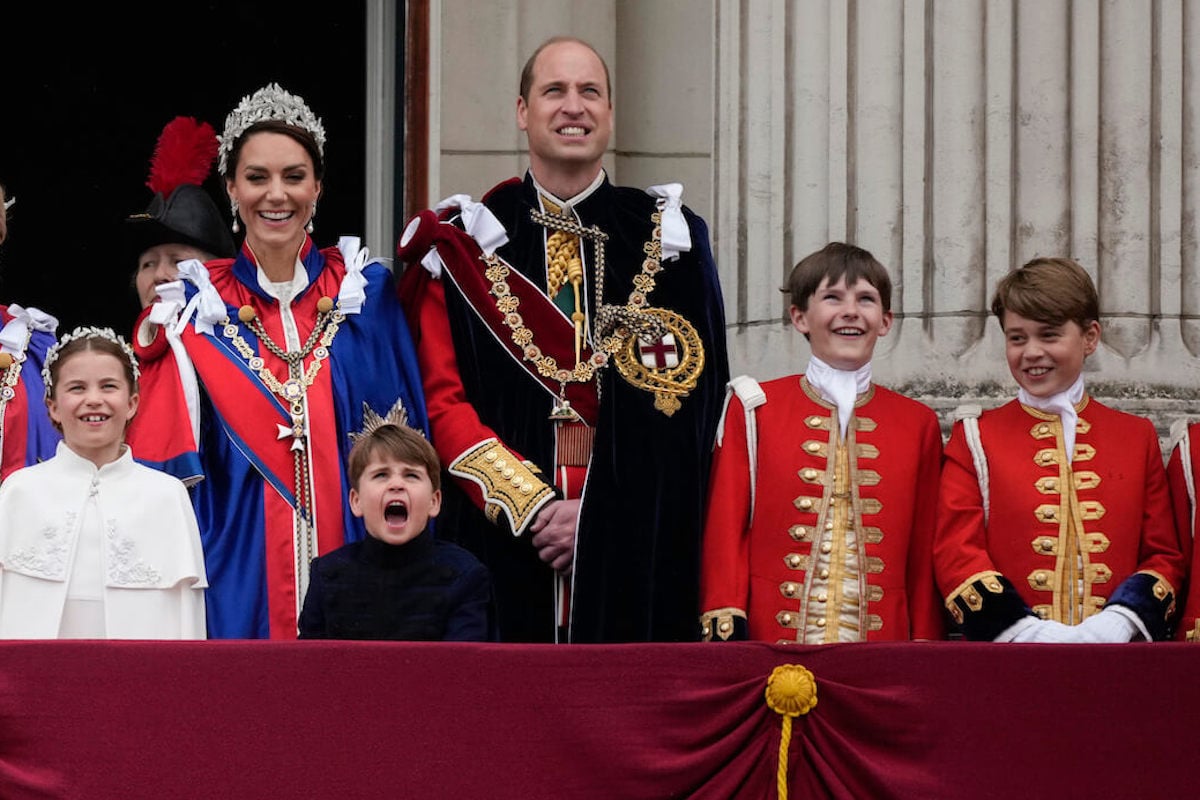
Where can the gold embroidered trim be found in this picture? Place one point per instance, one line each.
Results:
(1042, 430)
(1046, 457)
(811, 475)
(970, 596)
(1095, 542)
(1046, 513)
(507, 303)
(788, 619)
(509, 484)
(293, 392)
(668, 383)
(866, 450)
(1047, 484)
(816, 448)
(1083, 452)
(868, 477)
(719, 622)
(806, 503)
(798, 561)
(801, 533)
(1086, 480)
(11, 374)
(547, 366)
(1045, 545)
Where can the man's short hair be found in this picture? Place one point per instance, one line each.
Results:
(396, 442)
(835, 261)
(1048, 290)
(527, 71)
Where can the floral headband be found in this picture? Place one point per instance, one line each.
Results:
(88, 332)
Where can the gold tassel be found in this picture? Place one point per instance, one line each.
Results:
(791, 691)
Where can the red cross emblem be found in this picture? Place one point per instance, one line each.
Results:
(662, 354)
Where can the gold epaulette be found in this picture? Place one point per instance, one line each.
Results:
(719, 623)
(509, 485)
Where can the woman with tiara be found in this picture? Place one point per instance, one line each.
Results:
(257, 366)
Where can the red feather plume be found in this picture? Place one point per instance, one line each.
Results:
(184, 154)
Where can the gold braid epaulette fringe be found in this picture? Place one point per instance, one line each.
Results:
(509, 484)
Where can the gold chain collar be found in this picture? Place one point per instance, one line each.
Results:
(11, 373)
(299, 379)
(612, 323)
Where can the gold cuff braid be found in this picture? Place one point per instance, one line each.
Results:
(509, 484)
(718, 623)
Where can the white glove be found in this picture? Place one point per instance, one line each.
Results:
(1113, 625)
(1035, 629)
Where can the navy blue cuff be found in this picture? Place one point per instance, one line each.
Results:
(1151, 598)
(987, 606)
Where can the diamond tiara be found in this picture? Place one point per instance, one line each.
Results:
(269, 102)
(397, 415)
(88, 332)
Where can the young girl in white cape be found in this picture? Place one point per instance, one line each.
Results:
(94, 545)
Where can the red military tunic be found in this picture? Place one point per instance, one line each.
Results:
(1181, 477)
(831, 530)
(1064, 552)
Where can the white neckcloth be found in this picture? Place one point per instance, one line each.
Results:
(1062, 404)
(838, 386)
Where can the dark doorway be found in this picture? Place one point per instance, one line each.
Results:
(87, 90)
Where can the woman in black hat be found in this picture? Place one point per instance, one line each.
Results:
(182, 221)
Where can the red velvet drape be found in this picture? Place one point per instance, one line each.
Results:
(349, 720)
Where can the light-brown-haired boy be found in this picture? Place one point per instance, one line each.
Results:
(1055, 523)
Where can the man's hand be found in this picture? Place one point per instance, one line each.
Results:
(554, 534)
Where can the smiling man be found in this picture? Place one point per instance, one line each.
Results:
(572, 341)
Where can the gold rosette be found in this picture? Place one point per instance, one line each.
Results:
(791, 691)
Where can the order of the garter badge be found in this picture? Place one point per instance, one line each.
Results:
(669, 365)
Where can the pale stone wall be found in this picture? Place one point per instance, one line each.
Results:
(955, 139)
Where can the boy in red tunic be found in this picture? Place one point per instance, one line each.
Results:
(822, 499)
(1054, 520)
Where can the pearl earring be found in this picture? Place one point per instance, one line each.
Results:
(233, 208)
(309, 226)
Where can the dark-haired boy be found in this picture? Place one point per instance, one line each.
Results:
(1055, 523)
(399, 582)
(821, 504)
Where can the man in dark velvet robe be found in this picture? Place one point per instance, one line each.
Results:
(572, 345)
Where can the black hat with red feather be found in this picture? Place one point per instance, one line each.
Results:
(181, 211)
